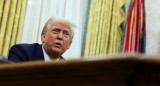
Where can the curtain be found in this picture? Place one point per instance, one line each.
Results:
(11, 23)
(38, 12)
(104, 33)
(134, 31)
(84, 31)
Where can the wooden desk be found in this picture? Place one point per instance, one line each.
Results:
(132, 71)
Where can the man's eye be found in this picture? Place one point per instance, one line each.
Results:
(55, 31)
(66, 34)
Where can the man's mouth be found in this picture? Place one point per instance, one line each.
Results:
(58, 44)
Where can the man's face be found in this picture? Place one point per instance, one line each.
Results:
(57, 38)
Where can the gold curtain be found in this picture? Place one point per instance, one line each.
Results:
(12, 14)
(104, 33)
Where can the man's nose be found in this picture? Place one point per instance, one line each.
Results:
(60, 36)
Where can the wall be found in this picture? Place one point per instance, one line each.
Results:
(152, 27)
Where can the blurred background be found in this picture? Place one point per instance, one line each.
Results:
(104, 27)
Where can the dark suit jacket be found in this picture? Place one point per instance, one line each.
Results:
(26, 52)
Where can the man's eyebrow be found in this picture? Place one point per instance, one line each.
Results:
(56, 28)
(67, 30)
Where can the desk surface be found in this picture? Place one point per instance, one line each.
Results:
(125, 71)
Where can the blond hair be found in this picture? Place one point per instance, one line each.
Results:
(61, 20)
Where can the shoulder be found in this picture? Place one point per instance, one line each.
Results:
(26, 46)
(25, 52)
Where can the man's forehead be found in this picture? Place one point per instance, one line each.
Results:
(60, 24)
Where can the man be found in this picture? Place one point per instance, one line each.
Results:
(56, 38)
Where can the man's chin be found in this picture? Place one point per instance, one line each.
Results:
(57, 51)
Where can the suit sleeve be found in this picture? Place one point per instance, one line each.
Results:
(16, 54)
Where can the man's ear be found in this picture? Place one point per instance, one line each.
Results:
(43, 36)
